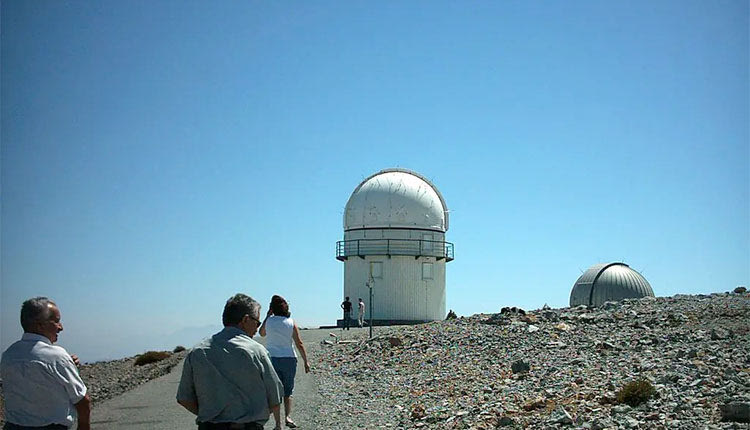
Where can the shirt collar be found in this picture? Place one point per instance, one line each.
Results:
(233, 330)
(38, 337)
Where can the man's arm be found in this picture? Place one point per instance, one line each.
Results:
(66, 373)
(83, 408)
(186, 396)
(274, 389)
(190, 406)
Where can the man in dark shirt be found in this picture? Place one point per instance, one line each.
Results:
(346, 305)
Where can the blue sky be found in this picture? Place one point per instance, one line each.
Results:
(158, 157)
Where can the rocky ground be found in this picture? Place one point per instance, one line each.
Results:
(550, 368)
(107, 379)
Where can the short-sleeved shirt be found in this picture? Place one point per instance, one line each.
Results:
(279, 331)
(231, 378)
(361, 307)
(347, 305)
(41, 383)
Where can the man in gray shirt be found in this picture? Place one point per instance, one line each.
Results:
(228, 380)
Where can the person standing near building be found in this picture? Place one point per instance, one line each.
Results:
(228, 380)
(41, 384)
(280, 330)
(346, 305)
(361, 313)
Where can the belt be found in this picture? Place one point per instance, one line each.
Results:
(229, 426)
(11, 426)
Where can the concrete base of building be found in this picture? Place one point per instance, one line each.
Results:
(377, 323)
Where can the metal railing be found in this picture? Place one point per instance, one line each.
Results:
(411, 247)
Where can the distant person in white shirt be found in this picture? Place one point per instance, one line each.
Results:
(361, 314)
(279, 329)
(41, 384)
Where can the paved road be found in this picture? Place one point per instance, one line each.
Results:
(153, 406)
(150, 406)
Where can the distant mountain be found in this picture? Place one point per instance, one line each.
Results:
(116, 347)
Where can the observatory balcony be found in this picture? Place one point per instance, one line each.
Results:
(411, 247)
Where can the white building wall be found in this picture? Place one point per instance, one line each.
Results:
(394, 234)
(401, 293)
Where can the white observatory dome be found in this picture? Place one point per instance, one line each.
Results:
(396, 198)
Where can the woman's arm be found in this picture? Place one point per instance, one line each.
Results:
(300, 346)
(262, 329)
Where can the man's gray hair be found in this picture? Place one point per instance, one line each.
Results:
(34, 311)
(237, 307)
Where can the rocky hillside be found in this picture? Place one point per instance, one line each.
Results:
(550, 368)
(107, 379)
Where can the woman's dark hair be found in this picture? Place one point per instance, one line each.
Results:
(279, 306)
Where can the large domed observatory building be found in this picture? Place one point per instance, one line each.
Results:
(394, 236)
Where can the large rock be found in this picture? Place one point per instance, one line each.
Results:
(520, 366)
(736, 411)
(395, 341)
(560, 416)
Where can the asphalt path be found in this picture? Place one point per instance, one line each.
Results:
(153, 405)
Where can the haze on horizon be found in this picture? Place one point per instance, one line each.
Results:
(158, 157)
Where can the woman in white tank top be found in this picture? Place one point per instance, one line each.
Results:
(280, 330)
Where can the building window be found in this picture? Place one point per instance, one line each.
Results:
(427, 243)
(426, 270)
(376, 269)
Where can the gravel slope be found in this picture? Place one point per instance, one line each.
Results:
(109, 379)
(548, 369)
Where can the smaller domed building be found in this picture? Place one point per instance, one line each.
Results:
(609, 282)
